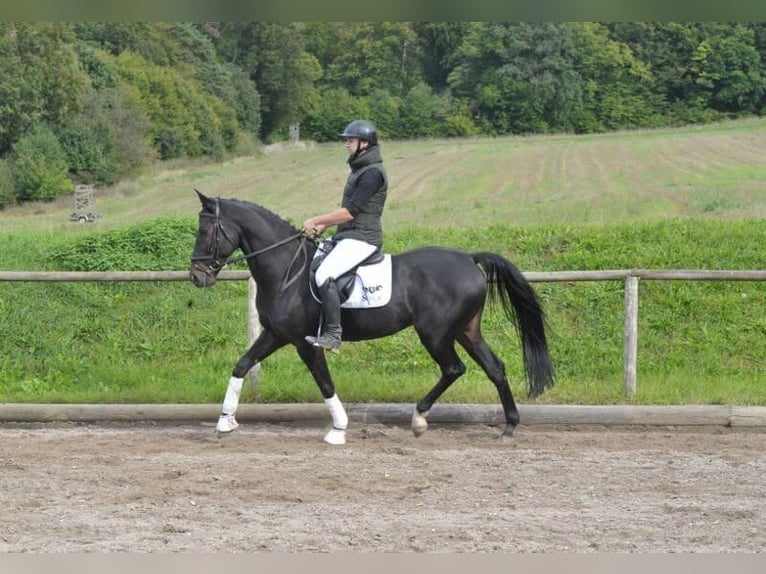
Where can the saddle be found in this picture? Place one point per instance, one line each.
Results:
(367, 285)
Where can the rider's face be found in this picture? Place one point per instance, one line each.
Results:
(354, 144)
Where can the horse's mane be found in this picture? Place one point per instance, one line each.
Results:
(242, 204)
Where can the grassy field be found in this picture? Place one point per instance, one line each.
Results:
(714, 171)
(684, 198)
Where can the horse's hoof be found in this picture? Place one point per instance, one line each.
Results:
(508, 432)
(336, 437)
(226, 424)
(419, 423)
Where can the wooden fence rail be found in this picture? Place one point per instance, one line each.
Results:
(630, 277)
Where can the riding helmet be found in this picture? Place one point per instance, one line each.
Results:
(361, 129)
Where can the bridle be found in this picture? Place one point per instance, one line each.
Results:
(217, 262)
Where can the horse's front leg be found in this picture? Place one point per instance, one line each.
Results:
(316, 362)
(261, 348)
(337, 434)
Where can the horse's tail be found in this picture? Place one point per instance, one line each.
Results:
(523, 308)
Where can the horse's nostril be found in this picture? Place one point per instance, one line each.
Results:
(201, 279)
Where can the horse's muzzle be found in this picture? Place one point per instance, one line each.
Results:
(201, 276)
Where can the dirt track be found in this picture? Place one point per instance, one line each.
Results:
(279, 488)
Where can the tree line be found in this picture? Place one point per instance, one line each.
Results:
(92, 102)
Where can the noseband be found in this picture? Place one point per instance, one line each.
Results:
(217, 262)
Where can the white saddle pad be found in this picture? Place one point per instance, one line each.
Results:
(372, 286)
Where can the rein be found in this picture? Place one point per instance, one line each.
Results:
(268, 248)
(286, 279)
(217, 264)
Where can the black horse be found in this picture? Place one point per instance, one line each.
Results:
(440, 292)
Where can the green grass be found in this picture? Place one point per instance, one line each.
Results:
(665, 199)
(171, 342)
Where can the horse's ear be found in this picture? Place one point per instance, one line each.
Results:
(207, 203)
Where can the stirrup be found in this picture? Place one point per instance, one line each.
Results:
(326, 341)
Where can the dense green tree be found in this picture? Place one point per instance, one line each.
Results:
(185, 49)
(322, 40)
(107, 140)
(85, 154)
(235, 89)
(197, 52)
(518, 77)
(115, 93)
(669, 49)
(385, 110)
(40, 81)
(333, 110)
(615, 85)
(422, 113)
(375, 55)
(155, 42)
(7, 184)
(39, 165)
(727, 71)
(184, 119)
(438, 42)
(759, 38)
(283, 71)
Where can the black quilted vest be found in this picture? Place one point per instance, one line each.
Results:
(366, 225)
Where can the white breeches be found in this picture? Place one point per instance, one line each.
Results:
(346, 254)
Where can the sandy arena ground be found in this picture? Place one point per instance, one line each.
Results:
(279, 488)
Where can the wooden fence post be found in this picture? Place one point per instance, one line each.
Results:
(253, 330)
(630, 354)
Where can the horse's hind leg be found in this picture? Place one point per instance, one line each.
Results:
(477, 348)
(451, 367)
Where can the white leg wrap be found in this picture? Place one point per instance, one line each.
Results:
(337, 435)
(338, 413)
(227, 422)
(231, 400)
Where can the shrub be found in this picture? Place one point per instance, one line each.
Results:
(85, 154)
(155, 245)
(121, 129)
(420, 113)
(39, 166)
(334, 110)
(458, 122)
(184, 119)
(7, 184)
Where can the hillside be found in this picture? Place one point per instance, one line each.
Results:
(714, 171)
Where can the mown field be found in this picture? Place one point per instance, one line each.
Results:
(689, 198)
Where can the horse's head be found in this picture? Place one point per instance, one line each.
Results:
(217, 238)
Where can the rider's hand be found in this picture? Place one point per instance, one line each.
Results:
(312, 228)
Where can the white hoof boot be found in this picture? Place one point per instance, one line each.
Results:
(336, 437)
(419, 423)
(226, 424)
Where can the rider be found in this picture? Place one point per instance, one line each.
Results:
(359, 232)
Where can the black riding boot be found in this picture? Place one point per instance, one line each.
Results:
(330, 339)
